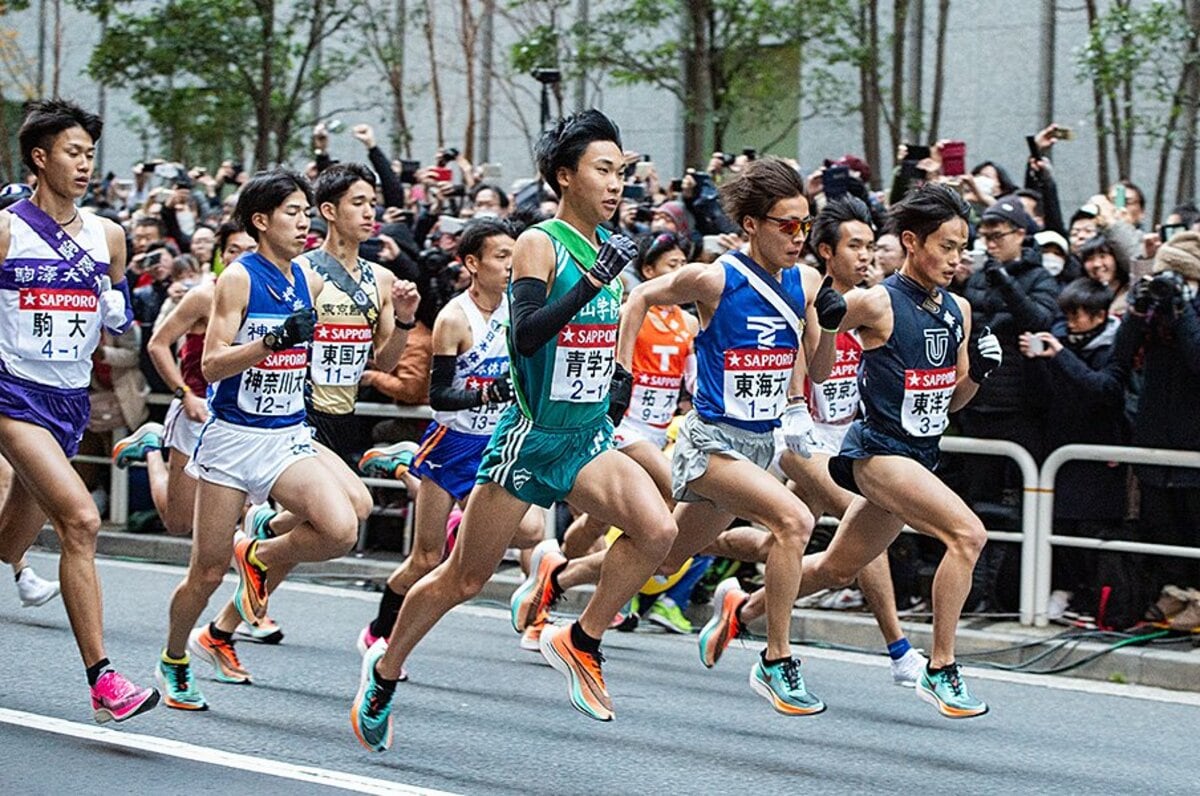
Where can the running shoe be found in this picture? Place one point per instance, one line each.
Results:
(251, 596)
(907, 669)
(391, 461)
(371, 715)
(532, 636)
(135, 447)
(367, 639)
(256, 522)
(666, 614)
(116, 699)
(947, 691)
(782, 684)
(34, 590)
(267, 632)
(178, 686)
(220, 654)
(1171, 601)
(536, 593)
(724, 626)
(585, 680)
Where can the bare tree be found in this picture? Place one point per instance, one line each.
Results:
(434, 86)
(939, 68)
(1098, 111)
(386, 48)
(895, 121)
(1190, 101)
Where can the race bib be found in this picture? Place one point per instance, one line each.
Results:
(655, 396)
(481, 419)
(583, 363)
(275, 386)
(926, 408)
(836, 399)
(756, 382)
(57, 324)
(340, 353)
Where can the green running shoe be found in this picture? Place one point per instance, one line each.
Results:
(371, 716)
(134, 448)
(782, 684)
(179, 688)
(947, 691)
(666, 614)
(388, 461)
(257, 522)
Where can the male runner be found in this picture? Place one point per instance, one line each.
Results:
(256, 443)
(919, 364)
(62, 276)
(555, 443)
(751, 363)
(469, 389)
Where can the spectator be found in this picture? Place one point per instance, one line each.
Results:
(1135, 201)
(157, 265)
(489, 200)
(1083, 227)
(1108, 264)
(1057, 258)
(889, 256)
(146, 230)
(204, 241)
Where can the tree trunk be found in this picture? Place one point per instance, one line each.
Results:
(899, 24)
(433, 73)
(697, 78)
(1098, 113)
(401, 137)
(1049, 34)
(916, 68)
(262, 100)
(468, 28)
(484, 143)
(1125, 156)
(868, 81)
(939, 68)
(58, 42)
(1185, 189)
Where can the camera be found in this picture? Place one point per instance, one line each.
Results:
(728, 159)
(547, 76)
(1165, 286)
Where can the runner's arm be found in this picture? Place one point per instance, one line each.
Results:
(534, 322)
(819, 360)
(399, 299)
(698, 282)
(194, 307)
(222, 358)
(451, 337)
(965, 387)
(114, 236)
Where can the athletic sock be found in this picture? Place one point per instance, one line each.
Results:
(182, 660)
(556, 590)
(389, 609)
(932, 671)
(583, 641)
(96, 669)
(218, 633)
(897, 649)
(772, 662)
(386, 685)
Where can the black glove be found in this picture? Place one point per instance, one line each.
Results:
(297, 328)
(1141, 299)
(499, 391)
(995, 274)
(984, 355)
(616, 253)
(620, 393)
(830, 305)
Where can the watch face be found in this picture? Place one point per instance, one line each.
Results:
(270, 338)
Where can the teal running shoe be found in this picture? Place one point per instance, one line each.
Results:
(666, 614)
(388, 461)
(947, 691)
(256, 523)
(371, 716)
(179, 688)
(782, 684)
(134, 448)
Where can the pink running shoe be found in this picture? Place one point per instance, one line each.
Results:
(116, 699)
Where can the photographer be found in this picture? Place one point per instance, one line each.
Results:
(1164, 324)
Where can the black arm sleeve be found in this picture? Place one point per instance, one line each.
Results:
(442, 396)
(534, 323)
(389, 183)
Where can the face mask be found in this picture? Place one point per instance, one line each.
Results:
(985, 185)
(187, 221)
(1053, 263)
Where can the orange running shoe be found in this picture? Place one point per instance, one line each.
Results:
(251, 597)
(536, 593)
(585, 681)
(724, 626)
(533, 632)
(220, 654)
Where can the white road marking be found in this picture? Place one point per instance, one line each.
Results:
(216, 757)
(1058, 682)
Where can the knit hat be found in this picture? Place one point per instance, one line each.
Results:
(677, 213)
(1181, 254)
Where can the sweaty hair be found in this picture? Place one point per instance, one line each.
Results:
(827, 228)
(564, 144)
(758, 187)
(476, 233)
(334, 181)
(44, 119)
(925, 209)
(266, 191)
(1086, 294)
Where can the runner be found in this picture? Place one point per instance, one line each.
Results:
(752, 356)
(32, 590)
(918, 366)
(555, 443)
(469, 389)
(256, 443)
(62, 277)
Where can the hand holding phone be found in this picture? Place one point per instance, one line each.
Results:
(954, 158)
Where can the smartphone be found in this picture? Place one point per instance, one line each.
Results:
(492, 171)
(152, 259)
(1167, 231)
(408, 170)
(1035, 151)
(1119, 197)
(836, 181)
(442, 174)
(917, 151)
(1063, 133)
(642, 169)
(635, 192)
(712, 245)
(450, 225)
(954, 158)
(677, 185)
(1036, 345)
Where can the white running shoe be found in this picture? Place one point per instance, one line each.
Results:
(842, 600)
(33, 590)
(1059, 602)
(907, 670)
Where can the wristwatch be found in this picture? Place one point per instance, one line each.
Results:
(182, 391)
(406, 326)
(270, 340)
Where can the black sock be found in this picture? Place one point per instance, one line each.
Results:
(389, 609)
(930, 668)
(388, 686)
(771, 662)
(583, 641)
(555, 589)
(218, 633)
(96, 669)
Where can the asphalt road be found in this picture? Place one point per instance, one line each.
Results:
(481, 716)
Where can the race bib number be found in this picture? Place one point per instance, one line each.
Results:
(275, 386)
(583, 363)
(340, 353)
(756, 382)
(654, 398)
(481, 419)
(57, 325)
(926, 408)
(836, 399)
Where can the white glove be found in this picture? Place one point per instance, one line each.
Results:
(112, 304)
(798, 429)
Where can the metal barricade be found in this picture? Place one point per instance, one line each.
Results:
(1045, 539)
